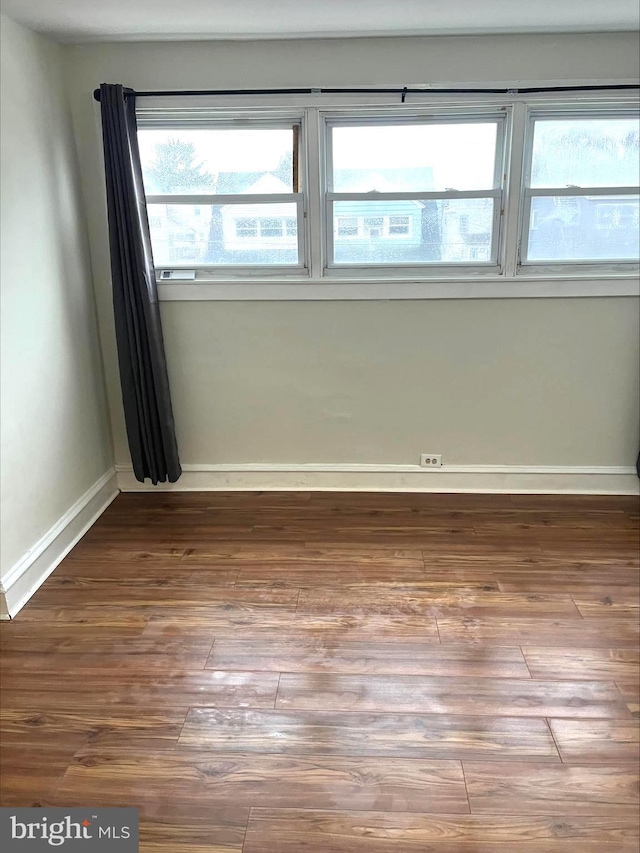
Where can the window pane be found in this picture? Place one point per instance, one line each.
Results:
(243, 160)
(586, 153)
(414, 157)
(583, 228)
(242, 234)
(431, 231)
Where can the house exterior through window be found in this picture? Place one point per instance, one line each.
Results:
(385, 194)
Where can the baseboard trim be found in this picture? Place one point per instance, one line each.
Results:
(603, 480)
(31, 571)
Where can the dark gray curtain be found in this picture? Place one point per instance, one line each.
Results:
(143, 367)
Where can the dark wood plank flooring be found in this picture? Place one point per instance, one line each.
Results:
(337, 673)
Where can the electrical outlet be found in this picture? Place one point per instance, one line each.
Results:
(430, 460)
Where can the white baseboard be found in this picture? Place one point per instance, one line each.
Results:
(602, 480)
(31, 571)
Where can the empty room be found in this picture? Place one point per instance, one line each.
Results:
(320, 426)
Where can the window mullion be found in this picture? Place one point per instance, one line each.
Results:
(513, 201)
(314, 211)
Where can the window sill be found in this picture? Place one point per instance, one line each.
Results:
(331, 289)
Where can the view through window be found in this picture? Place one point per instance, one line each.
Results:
(396, 193)
(582, 196)
(413, 193)
(222, 197)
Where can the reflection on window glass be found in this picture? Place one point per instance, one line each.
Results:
(584, 228)
(586, 153)
(228, 234)
(227, 161)
(406, 232)
(414, 157)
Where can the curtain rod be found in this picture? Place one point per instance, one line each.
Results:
(403, 92)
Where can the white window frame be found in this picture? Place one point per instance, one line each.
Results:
(425, 270)
(310, 281)
(214, 272)
(526, 267)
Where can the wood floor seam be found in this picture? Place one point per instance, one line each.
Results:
(524, 658)
(465, 785)
(435, 619)
(186, 715)
(275, 698)
(555, 743)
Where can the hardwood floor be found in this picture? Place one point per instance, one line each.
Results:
(337, 673)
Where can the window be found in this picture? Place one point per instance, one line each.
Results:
(507, 191)
(435, 184)
(617, 215)
(291, 227)
(254, 228)
(224, 197)
(348, 226)
(372, 227)
(246, 228)
(271, 228)
(399, 226)
(581, 190)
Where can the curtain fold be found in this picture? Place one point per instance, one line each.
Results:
(141, 357)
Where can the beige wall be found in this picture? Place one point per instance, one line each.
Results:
(55, 432)
(510, 382)
(484, 382)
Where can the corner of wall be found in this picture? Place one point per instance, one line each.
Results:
(28, 574)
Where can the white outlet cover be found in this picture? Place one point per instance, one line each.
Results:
(430, 460)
